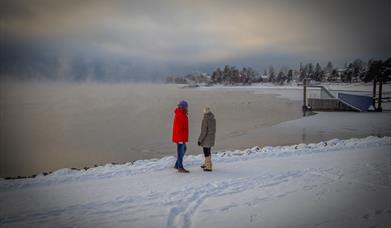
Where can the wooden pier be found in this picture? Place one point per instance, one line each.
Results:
(330, 101)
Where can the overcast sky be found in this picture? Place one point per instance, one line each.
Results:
(199, 33)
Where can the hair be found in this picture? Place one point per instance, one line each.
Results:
(206, 110)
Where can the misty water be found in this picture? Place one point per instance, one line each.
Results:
(48, 126)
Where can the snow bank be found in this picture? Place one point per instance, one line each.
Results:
(335, 183)
(152, 165)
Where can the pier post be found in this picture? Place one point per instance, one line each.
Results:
(374, 93)
(379, 108)
(304, 108)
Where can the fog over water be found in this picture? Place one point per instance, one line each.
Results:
(47, 126)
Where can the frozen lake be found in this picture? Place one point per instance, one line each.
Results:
(47, 126)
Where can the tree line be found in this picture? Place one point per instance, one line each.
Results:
(356, 71)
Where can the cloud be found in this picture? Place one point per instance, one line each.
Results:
(201, 32)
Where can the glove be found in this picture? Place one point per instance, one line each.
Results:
(199, 143)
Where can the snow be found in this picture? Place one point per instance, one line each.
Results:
(369, 123)
(334, 183)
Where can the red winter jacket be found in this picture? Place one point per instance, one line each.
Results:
(180, 130)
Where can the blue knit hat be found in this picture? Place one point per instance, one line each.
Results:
(183, 104)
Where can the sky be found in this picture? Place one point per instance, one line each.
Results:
(149, 39)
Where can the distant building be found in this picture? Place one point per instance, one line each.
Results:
(341, 71)
(336, 75)
(265, 77)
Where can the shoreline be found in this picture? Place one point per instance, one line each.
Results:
(191, 160)
(286, 127)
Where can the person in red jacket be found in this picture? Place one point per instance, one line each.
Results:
(180, 134)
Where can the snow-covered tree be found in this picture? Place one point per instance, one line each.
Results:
(272, 77)
(318, 73)
(290, 76)
(329, 67)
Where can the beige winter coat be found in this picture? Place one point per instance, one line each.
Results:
(208, 130)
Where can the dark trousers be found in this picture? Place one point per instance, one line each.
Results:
(181, 150)
(206, 151)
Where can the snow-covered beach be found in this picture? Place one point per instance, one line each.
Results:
(336, 183)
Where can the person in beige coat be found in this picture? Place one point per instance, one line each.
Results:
(207, 137)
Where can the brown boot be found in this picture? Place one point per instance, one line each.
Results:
(208, 164)
(183, 170)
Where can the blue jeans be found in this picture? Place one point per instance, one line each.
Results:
(181, 150)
